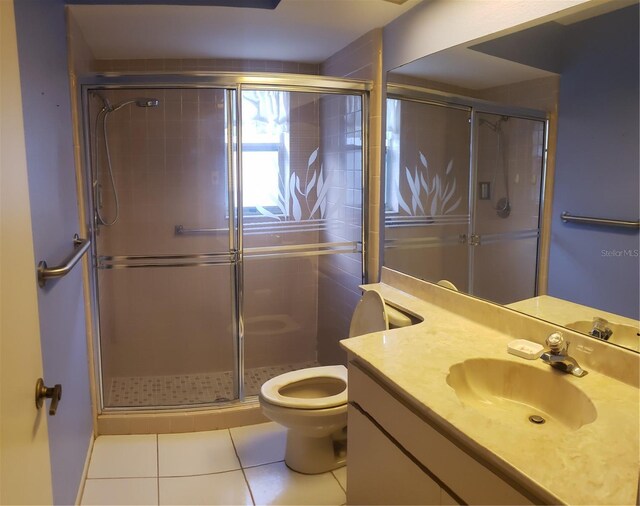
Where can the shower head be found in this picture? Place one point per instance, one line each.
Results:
(147, 102)
(494, 126)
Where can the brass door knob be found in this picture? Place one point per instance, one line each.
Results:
(43, 392)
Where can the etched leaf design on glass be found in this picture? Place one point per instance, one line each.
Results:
(312, 157)
(266, 212)
(449, 167)
(423, 159)
(310, 185)
(298, 185)
(454, 206)
(403, 205)
(414, 186)
(321, 193)
(424, 185)
(294, 182)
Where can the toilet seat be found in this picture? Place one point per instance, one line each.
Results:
(270, 390)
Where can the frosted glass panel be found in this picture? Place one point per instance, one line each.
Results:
(509, 176)
(302, 168)
(169, 166)
(302, 247)
(166, 336)
(427, 191)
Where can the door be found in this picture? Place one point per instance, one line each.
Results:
(302, 169)
(24, 444)
(427, 190)
(508, 175)
(48, 129)
(165, 245)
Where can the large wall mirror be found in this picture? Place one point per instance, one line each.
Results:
(491, 148)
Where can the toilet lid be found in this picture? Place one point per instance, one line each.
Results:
(271, 390)
(369, 315)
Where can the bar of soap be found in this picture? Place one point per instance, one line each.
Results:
(525, 349)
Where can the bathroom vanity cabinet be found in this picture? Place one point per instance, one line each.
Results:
(418, 437)
(399, 456)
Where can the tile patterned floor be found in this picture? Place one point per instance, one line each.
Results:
(204, 388)
(243, 465)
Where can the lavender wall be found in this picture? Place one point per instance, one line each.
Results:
(597, 165)
(46, 106)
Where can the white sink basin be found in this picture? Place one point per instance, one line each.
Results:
(623, 335)
(516, 391)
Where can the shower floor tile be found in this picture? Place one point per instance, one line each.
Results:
(201, 388)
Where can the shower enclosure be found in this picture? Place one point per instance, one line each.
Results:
(464, 181)
(225, 210)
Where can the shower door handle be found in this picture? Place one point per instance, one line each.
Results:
(475, 240)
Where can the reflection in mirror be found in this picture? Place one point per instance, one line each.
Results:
(467, 130)
(484, 241)
(427, 190)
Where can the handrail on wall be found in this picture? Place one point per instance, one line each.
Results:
(605, 222)
(80, 248)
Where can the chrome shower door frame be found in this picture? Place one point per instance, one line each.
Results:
(232, 83)
(476, 107)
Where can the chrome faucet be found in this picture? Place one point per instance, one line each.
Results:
(557, 356)
(600, 329)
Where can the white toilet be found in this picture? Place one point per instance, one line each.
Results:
(312, 403)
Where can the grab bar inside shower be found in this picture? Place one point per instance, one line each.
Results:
(605, 222)
(45, 272)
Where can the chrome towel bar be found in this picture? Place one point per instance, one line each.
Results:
(181, 230)
(44, 272)
(605, 222)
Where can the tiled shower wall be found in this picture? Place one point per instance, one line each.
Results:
(340, 275)
(205, 64)
(281, 317)
(169, 166)
(505, 271)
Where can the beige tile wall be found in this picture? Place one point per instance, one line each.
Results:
(362, 59)
(169, 165)
(205, 64)
(340, 275)
(505, 272)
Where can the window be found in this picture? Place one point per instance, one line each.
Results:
(265, 149)
(392, 158)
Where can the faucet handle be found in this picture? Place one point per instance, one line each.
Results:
(556, 343)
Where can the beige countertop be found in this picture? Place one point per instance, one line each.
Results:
(595, 464)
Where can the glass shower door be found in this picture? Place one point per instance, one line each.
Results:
(427, 190)
(166, 256)
(302, 228)
(509, 169)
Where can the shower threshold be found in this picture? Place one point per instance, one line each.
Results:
(199, 388)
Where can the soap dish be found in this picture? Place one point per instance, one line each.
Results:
(525, 349)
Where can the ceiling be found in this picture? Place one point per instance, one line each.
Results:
(464, 67)
(499, 61)
(297, 30)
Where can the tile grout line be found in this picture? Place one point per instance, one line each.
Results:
(340, 484)
(264, 464)
(241, 467)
